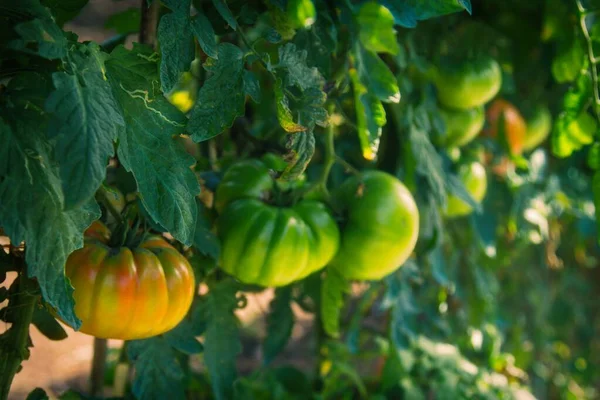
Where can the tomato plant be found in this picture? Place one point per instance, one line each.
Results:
(411, 186)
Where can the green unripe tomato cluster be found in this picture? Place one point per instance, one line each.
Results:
(463, 87)
(466, 84)
(271, 245)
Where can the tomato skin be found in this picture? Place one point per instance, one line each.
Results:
(462, 126)
(269, 245)
(274, 246)
(467, 84)
(515, 128)
(474, 178)
(382, 226)
(539, 125)
(244, 179)
(123, 293)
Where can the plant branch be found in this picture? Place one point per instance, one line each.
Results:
(591, 57)
(329, 155)
(98, 366)
(346, 165)
(14, 343)
(320, 186)
(102, 195)
(149, 22)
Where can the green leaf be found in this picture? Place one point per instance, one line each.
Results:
(577, 97)
(370, 117)
(567, 64)
(333, 289)
(225, 12)
(37, 394)
(596, 197)
(571, 134)
(301, 147)
(429, 163)
(376, 76)
(124, 22)
(456, 186)
(320, 41)
(40, 37)
(294, 74)
(408, 12)
(47, 325)
(175, 5)
(593, 157)
(64, 10)
(251, 85)
(205, 35)
(147, 147)
(183, 339)
(221, 338)
(280, 323)
(297, 72)
(204, 238)
(284, 113)
(177, 48)
(221, 99)
(87, 120)
(158, 373)
(32, 203)
(376, 28)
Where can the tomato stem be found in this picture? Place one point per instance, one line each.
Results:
(102, 196)
(148, 22)
(98, 366)
(14, 343)
(592, 58)
(320, 186)
(347, 166)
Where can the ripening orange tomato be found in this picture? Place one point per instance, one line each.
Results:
(129, 293)
(515, 128)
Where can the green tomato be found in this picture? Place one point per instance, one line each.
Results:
(462, 126)
(474, 178)
(539, 126)
(467, 84)
(245, 179)
(301, 13)
(381, 229)
(265, 244)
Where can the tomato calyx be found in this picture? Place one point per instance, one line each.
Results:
(129, 235)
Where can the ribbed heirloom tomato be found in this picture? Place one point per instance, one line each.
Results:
(129, 293)
(474, 178)
(466, 84)
(381, 229)
(266, 244)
